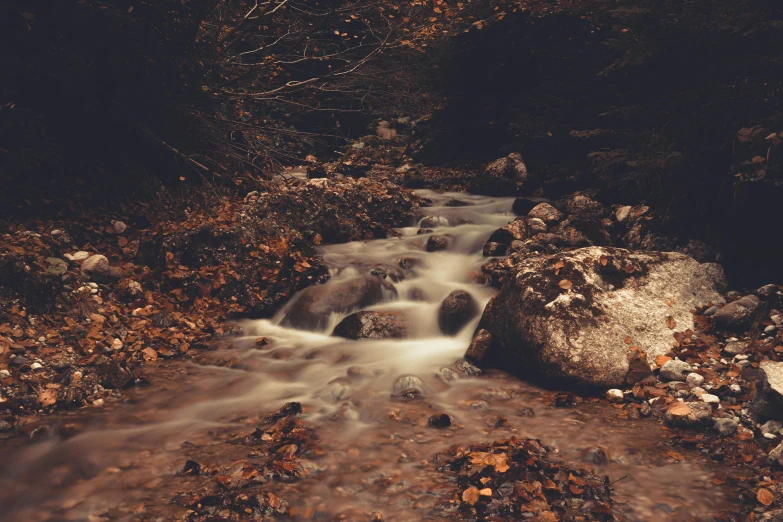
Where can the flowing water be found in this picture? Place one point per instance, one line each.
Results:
(123, 462)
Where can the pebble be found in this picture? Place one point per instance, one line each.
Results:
(4, 374)
(694, 379)
(439, 420)
(769, 330)
(42, 339)
(36, 366)
(735, 389)
(735, 348)
(674, 370)
(709, 312)
(77, 257)
(709, 398)
(726, 427)
(119, 227)
(408, 386)
(771, 426)
(776, 455)
(447, 375)
(615, 395)
(116, 344)
(98, 402)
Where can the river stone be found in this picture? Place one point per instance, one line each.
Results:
(502, 177)
(435, 243)
(768, 401)
(566, 316)
(455, 311)
(726, 427)
(582, 206)
(97, 267)
(408, 386)
(675, 370)
(736, 314)
(481, 342)
(546, 213)
(433, 221)
(493, 249)
(311, 308)
(514, 231)
(735, 348)
(372, 325)
(536, 225)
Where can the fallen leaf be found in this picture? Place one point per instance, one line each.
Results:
(149, 354)
(486, 492)
(629, 268)
(680, 409)
(628, 340)
(662, 359)
(565, 284)
(670, 322)
(471, 495)
(765, 496)
(603, 260)
(47, 397)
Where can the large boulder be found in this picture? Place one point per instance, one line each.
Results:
(311, 308)
(571, 315)
(372, 325)
(737, 314)
(455, 311)
(768, 401)
(502, 177)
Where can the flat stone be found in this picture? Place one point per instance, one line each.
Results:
(735, 348)
(737, 314)
(675, 370)
(726, 427)
(689, 414)
(372, 325)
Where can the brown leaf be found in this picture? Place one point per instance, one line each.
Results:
(765, 496)
(486, 492)
(603, 260)
(680, 409)
(565, 284)
(471, 495)
(670, 322)
(47, 397)
(629, 268)
(149, 354)
(662, 359)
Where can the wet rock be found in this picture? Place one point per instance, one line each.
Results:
(407, 262)
(408, 387)
(582, 206)
(536, 226)
(527, 411)
(675, 370)
(688, 414)
(726, 427)
(595, 455)
(737, 314)
(433, 221)
(502, 177)
(523, 205)
(417, 294)
(479, 346)
(566, 315)
(493, 249)
(615, 395)
(447, 375)
(768, 401)
(456, 203)
(710, 398)
(514, 231)
(467, 368)
(388, 272)
(339, 389)
(767, 290)
(372, 325)
(546, 213)
(289, 408)
(439, 420)
(456, 310)
(497, 421)
(422, 231)
(436, 243)
(119, 227)
(312, 307)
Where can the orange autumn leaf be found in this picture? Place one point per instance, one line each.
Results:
(565, 284)
(603, 260)
(765, 496)
(662, 359)
(470, 495)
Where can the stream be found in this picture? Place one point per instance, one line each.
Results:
(121, 461)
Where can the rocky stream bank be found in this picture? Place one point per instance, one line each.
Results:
(614, 323)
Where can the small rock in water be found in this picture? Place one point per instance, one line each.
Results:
(439, 420)
(437, 243)
(675, 370)
(339, 389)
(433, 221)
(407, 262)
(726, 427)
(527, 411)
(447, 375)
(467, 368)
(595, 455)
(408, 387)
(615, 395)
(479, 346)
(423, 231)
(417, 294)
(372, 325)
(694, 379)
(498, 421)
(493, 249)
(456, 203)
(456, 310)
